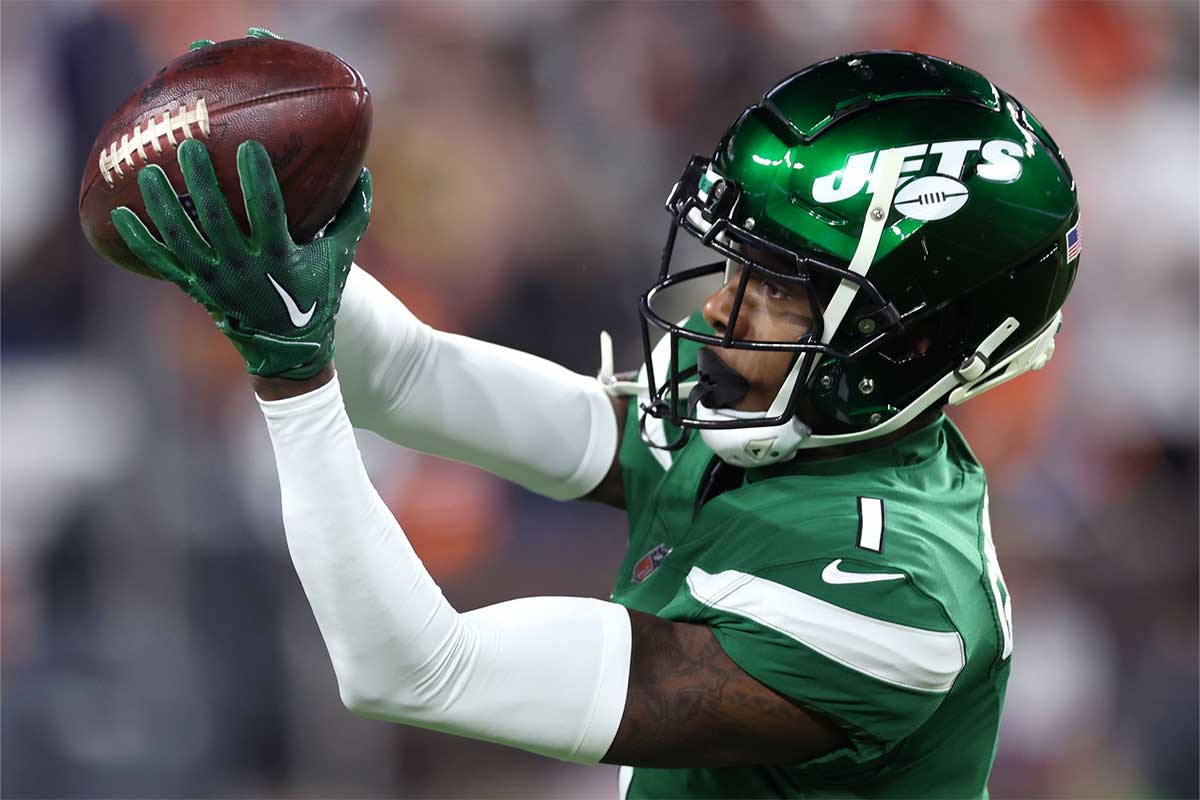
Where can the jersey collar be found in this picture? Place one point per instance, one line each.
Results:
(916, 446)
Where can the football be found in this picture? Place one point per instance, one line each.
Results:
(309, 108)
(932, 197)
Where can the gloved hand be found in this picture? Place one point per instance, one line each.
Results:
(276, 301)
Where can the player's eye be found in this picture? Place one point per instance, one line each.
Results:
(774, 291)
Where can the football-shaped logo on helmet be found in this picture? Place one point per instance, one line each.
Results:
(932, 197)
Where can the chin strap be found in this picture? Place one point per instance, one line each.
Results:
(613, 386)
(653, 430)
(1033, 355)
(759, 446)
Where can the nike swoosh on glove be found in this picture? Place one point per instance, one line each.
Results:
(275, 300)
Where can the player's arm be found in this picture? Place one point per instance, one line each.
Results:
(690, 705)
(574, 678)
(611, 489)
(518, 416)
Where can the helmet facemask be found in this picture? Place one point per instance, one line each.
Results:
(954, 289)
(706, 207)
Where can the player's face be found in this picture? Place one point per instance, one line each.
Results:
(778, 312)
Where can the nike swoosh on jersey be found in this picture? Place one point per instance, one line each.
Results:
(833, 574)
(298, 318)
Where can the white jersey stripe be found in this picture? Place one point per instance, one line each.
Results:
(624, 779)
(912, 658)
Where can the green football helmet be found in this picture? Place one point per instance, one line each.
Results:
(929, 214)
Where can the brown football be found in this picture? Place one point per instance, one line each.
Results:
(310, 109)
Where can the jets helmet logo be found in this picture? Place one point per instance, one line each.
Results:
(932, 196)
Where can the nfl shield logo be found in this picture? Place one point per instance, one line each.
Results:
(646, 565)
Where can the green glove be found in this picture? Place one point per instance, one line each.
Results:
(252, 33)
(275, 300)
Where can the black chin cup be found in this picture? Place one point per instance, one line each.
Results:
(718, 384)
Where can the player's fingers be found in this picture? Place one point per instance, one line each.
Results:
(264, 200)
(212, 209)
(348, 227)
(261, 33)
(200, 43)
(175, 227)
(142, 243)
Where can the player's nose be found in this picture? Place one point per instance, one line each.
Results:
(718, 308)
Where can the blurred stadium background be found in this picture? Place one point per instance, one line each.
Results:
(156, 642)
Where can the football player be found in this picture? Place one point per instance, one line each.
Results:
(810, 605)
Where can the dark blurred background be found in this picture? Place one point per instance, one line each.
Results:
(156, 642)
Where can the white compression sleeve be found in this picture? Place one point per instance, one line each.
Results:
(518, 416)
(547, 674)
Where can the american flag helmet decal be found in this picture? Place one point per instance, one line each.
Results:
(1073, 243)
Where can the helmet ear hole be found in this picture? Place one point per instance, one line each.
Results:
(914, 343)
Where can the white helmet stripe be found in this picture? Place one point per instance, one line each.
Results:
(885, 177)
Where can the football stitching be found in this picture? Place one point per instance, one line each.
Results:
(190, 119)
(270, 98)
(112, 156)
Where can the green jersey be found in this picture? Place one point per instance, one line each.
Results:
(864, 588)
